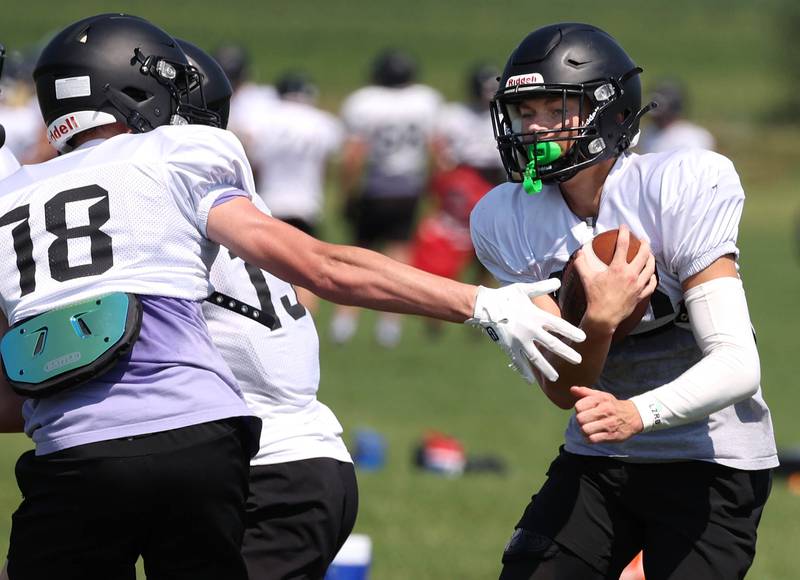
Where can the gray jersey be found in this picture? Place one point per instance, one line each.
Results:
(687, 205)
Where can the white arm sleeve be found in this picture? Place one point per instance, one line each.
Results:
(729, 370)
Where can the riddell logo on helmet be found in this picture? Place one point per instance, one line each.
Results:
(528, 79)
(69, 125)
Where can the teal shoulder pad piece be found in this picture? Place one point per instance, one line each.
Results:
(68, 346)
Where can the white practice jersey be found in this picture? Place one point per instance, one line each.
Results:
(687, 205)
(248, 104)
(397, 125)
(81, 224)
(678, 135)
(289, 149)
(8, 163)
(275, 360)
(468, 133)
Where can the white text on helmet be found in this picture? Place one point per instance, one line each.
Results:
(526, 79)
(69, 125)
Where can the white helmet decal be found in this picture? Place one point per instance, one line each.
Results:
(67, 126)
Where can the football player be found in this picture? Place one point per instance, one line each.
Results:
(291, 144)
(463, 135)
(303, 495)
(468, 166)
(670, 446)
(384, 169)
(140, 428)
(669, 128)
(250, 99)
(8, 162)
(149, 455)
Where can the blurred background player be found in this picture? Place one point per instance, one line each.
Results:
(668, 128)
(25, 133)
(291, 144)
(463, 132)
(250, 99)
(467, 165)
(8, 163)
(384, 170)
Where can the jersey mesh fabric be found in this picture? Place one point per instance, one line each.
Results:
(126, 214)
(109, 194)
(277, 368)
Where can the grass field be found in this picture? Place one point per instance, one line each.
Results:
(427, 527)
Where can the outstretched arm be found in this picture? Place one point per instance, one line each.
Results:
(359, 277)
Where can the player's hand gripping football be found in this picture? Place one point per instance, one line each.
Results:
(519, 326)
(614, 290)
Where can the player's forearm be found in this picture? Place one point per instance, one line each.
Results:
(729, 370)
(593, 351)
(359, 277)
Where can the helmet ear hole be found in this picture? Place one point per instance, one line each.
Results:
(138, 95)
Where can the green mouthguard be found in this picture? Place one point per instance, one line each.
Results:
(539, 154)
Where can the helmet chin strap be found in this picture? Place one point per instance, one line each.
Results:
(539, 154)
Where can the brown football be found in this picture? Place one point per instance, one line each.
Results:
(571, 296)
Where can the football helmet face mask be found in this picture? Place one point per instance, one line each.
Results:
(563, 61)
(210, 100)
(112, 68)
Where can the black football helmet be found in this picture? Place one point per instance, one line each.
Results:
(298, 86)
(235, 61)
(482, 82)
(211, 99)
(393, 68)
(112, 68)
(566, 60)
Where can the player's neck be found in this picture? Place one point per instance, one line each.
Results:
(582, 192)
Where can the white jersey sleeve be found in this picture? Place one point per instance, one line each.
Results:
(202, 165)
(702, 207)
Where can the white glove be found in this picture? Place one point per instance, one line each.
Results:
(515, 323)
